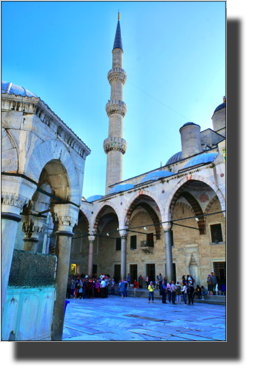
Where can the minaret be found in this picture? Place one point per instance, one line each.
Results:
(115, 146)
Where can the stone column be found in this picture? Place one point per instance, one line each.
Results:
(49, 231)
(32, 227)
(123, 233)
(67, 217)
(90, 259)
(12, 205)
(168, 250)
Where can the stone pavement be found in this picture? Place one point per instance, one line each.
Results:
(133, 319)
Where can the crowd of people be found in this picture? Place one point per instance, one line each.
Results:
(84, 287)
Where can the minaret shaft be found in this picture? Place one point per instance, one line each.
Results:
(115, 146)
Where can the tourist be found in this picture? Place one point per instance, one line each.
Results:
(103, 284)
(178, 293)
(214, 282)
(121, 288)
(112, 286)
(84, 288)
(69, 285)
(72, 288)
(173, 292)
(190, 292)
(204, 292)
(140, 281)
(147, 281)
(126, 286)
(128, 279)
(135, 286)
(97, 288)
(159, 278)
(164, 291)
(184, 281)
(79, 287)
(90, 289)
(168, 292)
(151, 292)
(184, 292)
(210, 287)
(198, 291)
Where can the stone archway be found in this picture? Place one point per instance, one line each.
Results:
(193, 177)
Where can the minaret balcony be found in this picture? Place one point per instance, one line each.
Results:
(117, 74)
(116, 107)
(115, 144)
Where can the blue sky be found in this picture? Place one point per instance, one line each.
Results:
(174, 56)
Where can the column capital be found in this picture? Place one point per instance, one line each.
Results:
(167, 226)
(124, 231)
(16, 193)
(67, 217)
(32, 226)
(91, 239)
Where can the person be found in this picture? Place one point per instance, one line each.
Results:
(214, 282)
(159, 278)
(72, 288)
(103, 284)
(184, 281)
(97, 288)
(151, 292)
(204, 292)
(80, 291)
(112, 286)
(164, 291)
(140, 281)
(128, 279)
(90, 289)
(126, 287)
(198, 291)
(173, 292)
(135, 286)
(147, 281)
(178, 293)
(210, 287)
(168, 292)
(190, 292)
(184, 292)
(121, 288)
(69, 286)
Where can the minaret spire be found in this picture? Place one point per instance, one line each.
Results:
(115, 146)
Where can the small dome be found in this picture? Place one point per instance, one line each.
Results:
(10, 88)
(188, 124)
(94, 198)
(154, 176)
(201, 159)
(222, 106)
(175, 158)
(121, 188)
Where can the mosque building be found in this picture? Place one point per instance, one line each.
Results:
(170, 220)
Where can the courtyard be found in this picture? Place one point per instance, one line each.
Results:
(134, 319)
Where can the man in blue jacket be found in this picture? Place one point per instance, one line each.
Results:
(122, 288)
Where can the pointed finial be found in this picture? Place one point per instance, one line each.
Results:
(119, 16)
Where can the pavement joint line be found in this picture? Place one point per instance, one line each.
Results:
(84, 332)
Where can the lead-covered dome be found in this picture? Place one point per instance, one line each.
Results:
(175, 158)
(220, 107)
(201, 159)
(154, 176)
(94, 198)
(121, 188)
(10, 88)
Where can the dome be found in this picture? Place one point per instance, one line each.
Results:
(201, 159)
(154, 176)
(189, 124)
(121, 188)
(222, 106)
(94, 198)
(175, 158)
(10, 88)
